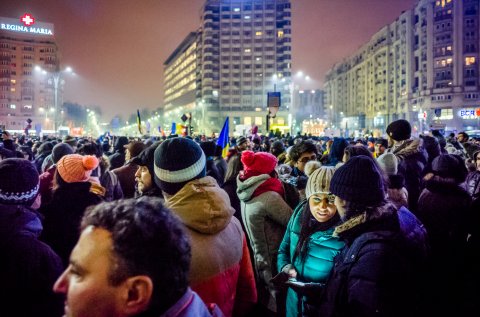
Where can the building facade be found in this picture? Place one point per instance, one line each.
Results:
(25, 93)
(243, 51)
(423, 67)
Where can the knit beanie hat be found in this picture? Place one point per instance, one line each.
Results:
(70, 140)
(359, 181)
(258, 163)
(319, 181)
(450, 166)
(75, 168)
(19, 182)
(388, 163)
(399, 130)
(60, 150)
(178, 161)
(240, 140)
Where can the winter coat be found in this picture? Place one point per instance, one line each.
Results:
(230, 187)
(443, 207)
(316, 267)
(64, 213)
(126, 177)
(397, 194)
(472, 184)
(379, 271)
(213, 171)
(265, 218)
(220, 271)
(28, 268)
(221, 165)
(190, 304)
(412, 160)
(117, 159)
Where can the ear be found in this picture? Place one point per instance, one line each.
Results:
(137, 295)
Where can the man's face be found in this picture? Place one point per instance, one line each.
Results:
(85, 282)
(379, 149)
(244, 146)
(143, 179)
(304, 159)
(461, 138)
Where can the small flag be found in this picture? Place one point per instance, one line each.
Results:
(174, 128)
(139, 122)
(223, 139)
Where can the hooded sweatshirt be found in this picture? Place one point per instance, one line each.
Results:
(220, 270)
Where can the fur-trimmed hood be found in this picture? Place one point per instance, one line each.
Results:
(406, 148)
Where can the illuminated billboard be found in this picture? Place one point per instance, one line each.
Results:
(26, 24)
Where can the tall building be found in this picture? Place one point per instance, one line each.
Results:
(24, 93)
(180, 79)
(243, 52)
(422, 67)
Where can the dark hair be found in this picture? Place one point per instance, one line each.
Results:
(234, 167)
(90, 148)
(308, 226)
(355, 150)
(465, 135)
(337, 149)
(300, 148)
(147, 240)
(382, 142)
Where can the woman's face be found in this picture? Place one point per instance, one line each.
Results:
(322, 206)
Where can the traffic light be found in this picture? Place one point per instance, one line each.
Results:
(191, 130)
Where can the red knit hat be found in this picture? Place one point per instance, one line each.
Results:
(258, 163)
(76, 168)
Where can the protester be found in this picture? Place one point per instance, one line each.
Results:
(46, 179)
(265, 215)
(308, 247)
(72, 194)
(132, 259)
(397, 194)
(411, 156)
(28, 267)
(144, 184)
(379, 271)
(221, 271)
(117, 159)
(126, 173)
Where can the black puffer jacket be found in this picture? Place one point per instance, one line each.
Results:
(28, 268)
(379, 271)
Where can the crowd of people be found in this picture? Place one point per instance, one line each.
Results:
(281, 226)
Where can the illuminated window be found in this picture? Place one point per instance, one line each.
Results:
(236, 9)
(27, 107)
(444, 62)
(449, 48)
(469, 60)
(12, 89)
(13, 106)
(258, 120)
(280, 34)
(258, 33)
(247, 17)
(247, 120)
(247, 50)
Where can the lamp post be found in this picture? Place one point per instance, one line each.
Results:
(56, 75)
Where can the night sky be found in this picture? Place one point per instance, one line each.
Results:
(117, 47)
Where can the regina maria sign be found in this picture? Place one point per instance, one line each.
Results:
(26, 24)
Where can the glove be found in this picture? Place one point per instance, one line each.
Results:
(308, 289)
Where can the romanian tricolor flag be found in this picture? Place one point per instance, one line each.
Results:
(139, 122)
(223, 139)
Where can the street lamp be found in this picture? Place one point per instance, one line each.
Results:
(56, 75)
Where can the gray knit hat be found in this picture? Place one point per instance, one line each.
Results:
(319, 181)
(389, 163)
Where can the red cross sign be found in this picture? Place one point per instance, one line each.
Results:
(27, 19)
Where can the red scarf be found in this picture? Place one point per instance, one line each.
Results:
(270, 185)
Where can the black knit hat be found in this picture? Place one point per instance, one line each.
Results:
(19, 182)
(147, 158)
(240, 140)
(60, 150)
(360, 181)
(178, 161)
(208, 148)
(450, 166)
(399, 130)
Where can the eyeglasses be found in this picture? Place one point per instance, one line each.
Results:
(306, 159)
(329, 197)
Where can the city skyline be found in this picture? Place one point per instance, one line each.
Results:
(103, 42)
